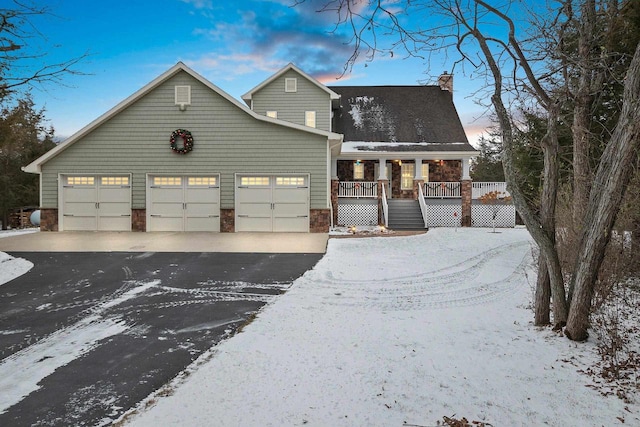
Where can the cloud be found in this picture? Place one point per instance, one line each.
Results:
(266, 35)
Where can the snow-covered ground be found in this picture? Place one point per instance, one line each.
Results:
(397, 331)
(11, 267)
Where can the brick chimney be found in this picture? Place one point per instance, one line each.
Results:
(445, 81)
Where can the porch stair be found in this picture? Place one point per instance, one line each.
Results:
(404, 214)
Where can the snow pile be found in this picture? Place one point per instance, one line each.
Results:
(11, 267)
(397, 331)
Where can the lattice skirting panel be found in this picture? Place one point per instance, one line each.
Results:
(444, 215)
(357, 214)
(482, 216)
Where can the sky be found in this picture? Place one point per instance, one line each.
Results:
(234, 44)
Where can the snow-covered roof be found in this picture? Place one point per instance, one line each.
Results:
(364, 149)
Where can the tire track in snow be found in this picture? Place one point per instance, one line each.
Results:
(21, 372)
(460, 284)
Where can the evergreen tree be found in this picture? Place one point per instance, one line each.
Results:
(24, 137)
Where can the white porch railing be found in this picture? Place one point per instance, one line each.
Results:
(442, 190)
(423, 205)
(479, 189)
(385, 207)
(358, 189)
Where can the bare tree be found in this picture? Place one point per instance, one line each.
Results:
(20, 66)
(519, 72)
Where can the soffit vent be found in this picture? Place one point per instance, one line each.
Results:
(290, 85)
(183, 95)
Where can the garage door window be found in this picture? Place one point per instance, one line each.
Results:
(167, 180)
(290, 181)
(253, 181)
(80, 180)
(114, 180)
(205, 181)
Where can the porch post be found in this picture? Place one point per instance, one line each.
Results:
(335, 184)
(465, 169)
(465, 193)
(382, 182)
(418, 179)
(382, 169)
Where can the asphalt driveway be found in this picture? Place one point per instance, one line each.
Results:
(86, 336)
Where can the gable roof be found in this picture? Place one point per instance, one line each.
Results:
(247, 96)
(411, 114)
(34, 167)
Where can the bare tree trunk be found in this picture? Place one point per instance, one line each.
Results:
(548, 199)
(612, 177)
(545, 238)
(582, 116)
(543, 295)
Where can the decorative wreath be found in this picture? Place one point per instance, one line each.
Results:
(187, 139)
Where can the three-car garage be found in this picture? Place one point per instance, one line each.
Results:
(263, 203)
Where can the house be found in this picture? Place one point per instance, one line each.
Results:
(180, 154)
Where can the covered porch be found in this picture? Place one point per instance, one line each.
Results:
(420, 186)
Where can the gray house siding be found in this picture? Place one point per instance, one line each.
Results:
(227, 140)
(291, 106)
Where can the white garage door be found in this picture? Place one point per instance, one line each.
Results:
(183, 203)
(272, 203)
(94, 202)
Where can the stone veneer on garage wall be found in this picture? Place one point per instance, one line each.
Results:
(138, 220)
(48, 219)
(320, 220)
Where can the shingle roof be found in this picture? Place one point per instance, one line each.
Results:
(422, 114)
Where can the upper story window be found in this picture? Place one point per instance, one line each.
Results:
(183, 95)
(272, 114)
(358, 170)
(310, 119)
(290, 84)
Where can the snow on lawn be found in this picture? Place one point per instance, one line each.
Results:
(11, 267)
(393, 331)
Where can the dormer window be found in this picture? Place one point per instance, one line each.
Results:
(183, 95)
(291, 84)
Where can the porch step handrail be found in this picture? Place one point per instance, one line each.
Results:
(479, 189)
(385, 207)
(365, 189)
(442, 190)
(423, 206)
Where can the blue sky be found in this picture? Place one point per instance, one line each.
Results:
(234, 44)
